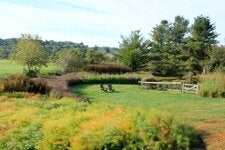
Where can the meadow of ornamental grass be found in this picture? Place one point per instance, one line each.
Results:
(212, 85)
(36, 122)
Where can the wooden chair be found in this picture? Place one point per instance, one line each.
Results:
(102, 88)
(110, 88)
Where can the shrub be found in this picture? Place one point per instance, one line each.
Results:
(22, 137)
(212, 85)
(20, 83)
(120, 128)
(150, 79)
(66, 124)
(70, 60)
(57, 134)
(107, 68)
(15, 83)
(37, 86)
(31, 73)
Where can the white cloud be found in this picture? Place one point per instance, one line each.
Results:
(99, 22)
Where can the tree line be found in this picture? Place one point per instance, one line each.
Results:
(173, 49)
(52, 47)
(30, 51)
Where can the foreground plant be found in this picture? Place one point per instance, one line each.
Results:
(30, 52)
(212, 85)
(66, 124)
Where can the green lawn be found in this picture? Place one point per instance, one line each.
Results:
(8, 67)
(188, 107)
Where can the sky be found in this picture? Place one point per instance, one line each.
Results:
(100, 22)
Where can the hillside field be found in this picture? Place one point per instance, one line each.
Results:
(8, 67)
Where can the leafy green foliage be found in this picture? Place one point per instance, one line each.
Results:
(167, 54)
(203, 37)
(88, 126)
(95, 57)
(217, 59)
(133, 50)
(30, 52)
(3, 53)
(52, 46)
(70, 60)
(6, 46)
(24, 136)
(173, 53)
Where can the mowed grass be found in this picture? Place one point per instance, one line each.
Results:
(189, 108)
(8, 67)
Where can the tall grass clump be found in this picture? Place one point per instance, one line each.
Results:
(21, 83)
(88, 78)
(14, 83)
(212, 85)
(107, 68)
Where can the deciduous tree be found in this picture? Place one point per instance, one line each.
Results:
(30, 52)
(70, 60)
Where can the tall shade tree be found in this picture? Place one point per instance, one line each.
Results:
(160, 35)
(133, 51)
(167, 53)
(178, 30)
(30, 52)
(203, 38)
(159, 42)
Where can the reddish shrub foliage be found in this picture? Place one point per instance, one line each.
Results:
(107, 68)
(20, 83)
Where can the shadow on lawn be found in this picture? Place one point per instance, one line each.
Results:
(201, 144)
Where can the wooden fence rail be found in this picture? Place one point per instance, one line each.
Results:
(169, 86)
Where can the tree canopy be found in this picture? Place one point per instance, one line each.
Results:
(132, 51)
(29, 51)
(167, 54)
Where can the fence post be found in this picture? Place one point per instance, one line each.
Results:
(182, 86)
(197, 89)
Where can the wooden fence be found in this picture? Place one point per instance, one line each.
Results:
(190, 88)
(169, 86)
